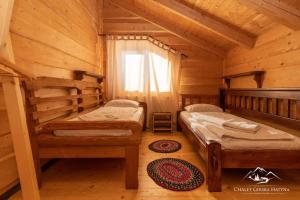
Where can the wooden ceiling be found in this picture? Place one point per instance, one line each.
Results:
(212, 26)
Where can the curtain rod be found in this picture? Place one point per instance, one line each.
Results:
(142, 37)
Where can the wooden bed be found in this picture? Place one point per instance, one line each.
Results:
(280, 106)
(68, 99)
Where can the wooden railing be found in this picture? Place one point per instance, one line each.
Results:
(65, 97)
(278, 105)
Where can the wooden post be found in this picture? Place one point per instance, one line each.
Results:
(132, 163)
(20, 136)
(15, 108)
(214, 168)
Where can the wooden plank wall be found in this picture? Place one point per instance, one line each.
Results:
(276, 51)
(201, 73)
(50, 38)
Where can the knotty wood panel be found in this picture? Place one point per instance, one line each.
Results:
(232, 11)
(49, 38)
(57, 34)
(277, 52)
(201, 76)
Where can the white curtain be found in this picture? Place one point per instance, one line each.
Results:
(142, 71)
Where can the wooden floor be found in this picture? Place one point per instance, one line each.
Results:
(97, 179)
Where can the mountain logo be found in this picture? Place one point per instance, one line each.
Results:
(261, 176)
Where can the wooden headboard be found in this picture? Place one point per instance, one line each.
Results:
(278, 105)
(50, 99)
(188, 99)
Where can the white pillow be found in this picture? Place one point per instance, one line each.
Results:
(122, 103)
(203, 108)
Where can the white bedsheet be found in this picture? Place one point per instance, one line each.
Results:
(106, 114)
(112, 114)
(203, 132)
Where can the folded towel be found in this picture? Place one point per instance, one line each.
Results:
(202, 117)
(263, 134)
(242, 125)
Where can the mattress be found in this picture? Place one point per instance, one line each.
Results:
(120, 114)
(234, 143)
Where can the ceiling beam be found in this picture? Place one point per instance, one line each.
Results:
(223, 29)
(157, 20)
(277, 9)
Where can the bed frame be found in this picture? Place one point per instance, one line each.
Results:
(280, 106)
(51, 101)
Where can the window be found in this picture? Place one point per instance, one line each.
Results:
(160, 73)
(136, 72)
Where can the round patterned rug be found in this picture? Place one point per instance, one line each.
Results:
(165, 146)
(175, 174)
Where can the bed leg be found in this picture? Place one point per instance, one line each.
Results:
(132, 162)
(36, 159)
(38, 172)
(214, 167)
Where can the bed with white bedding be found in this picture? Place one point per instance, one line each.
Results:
(234, 139)
(227, 141)
(77, 125)
(111, 131)
(106, 113)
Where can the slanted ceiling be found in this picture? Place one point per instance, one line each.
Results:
(214, 26)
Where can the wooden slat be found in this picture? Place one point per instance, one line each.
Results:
(44, 82)
(277, 9)
(154, 19)
(230, 32)
(286, 108)
(256, 104)
(41, 114)
(298, 110)
(264, 105)
(37, 100)
(275, 106)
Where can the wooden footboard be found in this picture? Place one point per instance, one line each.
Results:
(210, 152)
(213, 166)
(131, 166)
